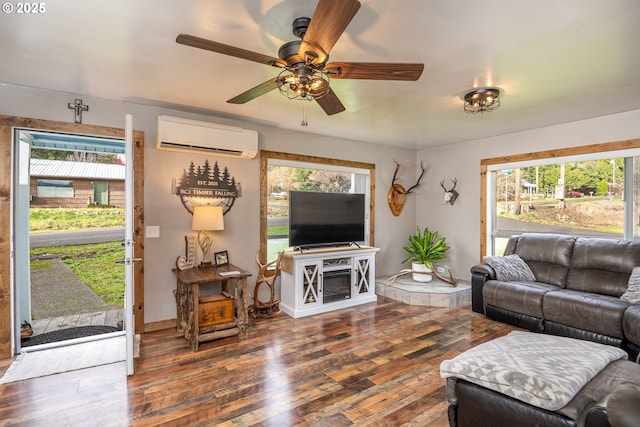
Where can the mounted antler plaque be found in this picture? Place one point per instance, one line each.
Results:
(450, 196)
(397, 195)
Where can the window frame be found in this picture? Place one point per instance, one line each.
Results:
(625, 148)
(266, 156)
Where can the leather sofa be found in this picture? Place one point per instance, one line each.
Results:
(576, 291)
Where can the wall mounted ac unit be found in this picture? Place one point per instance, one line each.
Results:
(177, 134)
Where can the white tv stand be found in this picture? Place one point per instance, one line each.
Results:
(321, 280)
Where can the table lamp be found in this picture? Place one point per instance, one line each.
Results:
(206, 218)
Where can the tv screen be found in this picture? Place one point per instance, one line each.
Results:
(325, 218)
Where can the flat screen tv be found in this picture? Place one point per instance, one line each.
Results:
(325, 218)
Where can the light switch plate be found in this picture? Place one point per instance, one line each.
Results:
(152, 231)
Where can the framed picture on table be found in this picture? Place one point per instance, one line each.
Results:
(221, 258)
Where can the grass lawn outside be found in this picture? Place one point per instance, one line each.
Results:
(69, 219)
(95, 264)
(584, 213)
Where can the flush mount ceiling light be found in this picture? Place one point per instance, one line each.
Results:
(481, 100)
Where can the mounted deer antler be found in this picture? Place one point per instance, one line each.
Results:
(450, 196)
(397, 193)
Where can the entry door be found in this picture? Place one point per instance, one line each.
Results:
(101, 192)
(17, 234)
(21, 239)
(129, 244)
(20, 260)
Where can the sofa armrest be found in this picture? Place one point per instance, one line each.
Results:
(631, 328)
(621, 408)
(596, 414)
(479, 275)
(485, 269)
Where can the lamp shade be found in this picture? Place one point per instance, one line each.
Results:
(207, 218)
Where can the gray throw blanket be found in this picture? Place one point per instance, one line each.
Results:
(545, 371)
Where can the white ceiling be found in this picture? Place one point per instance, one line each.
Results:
(556, 61)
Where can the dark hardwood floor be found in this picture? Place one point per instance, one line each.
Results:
(376, 364)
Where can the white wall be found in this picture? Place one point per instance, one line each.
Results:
(460, 223)
(241, 234)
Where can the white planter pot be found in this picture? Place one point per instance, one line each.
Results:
(418, 277)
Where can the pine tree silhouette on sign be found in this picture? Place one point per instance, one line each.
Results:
(204, 184)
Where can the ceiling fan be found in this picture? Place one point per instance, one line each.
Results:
(306, 73)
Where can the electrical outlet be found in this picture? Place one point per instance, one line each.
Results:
(152, 231)
(440, 269)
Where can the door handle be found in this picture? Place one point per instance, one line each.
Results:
(128, 261)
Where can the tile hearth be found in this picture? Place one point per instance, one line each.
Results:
(434, 293)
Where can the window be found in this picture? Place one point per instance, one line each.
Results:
(582, 191)
(54, 188)
(281, 173)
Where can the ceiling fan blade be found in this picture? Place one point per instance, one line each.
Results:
(375, 71)
(255, 92)
(224, 49)
(330, 103)
(328, 22)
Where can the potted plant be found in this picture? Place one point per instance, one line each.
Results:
(424, 248)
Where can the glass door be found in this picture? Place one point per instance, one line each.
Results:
(129, 245)
(20, 217)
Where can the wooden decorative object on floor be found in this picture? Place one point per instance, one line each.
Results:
(451, 280)
(26, 330)
(268, 276)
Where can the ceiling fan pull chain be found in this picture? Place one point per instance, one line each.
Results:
(305, 122)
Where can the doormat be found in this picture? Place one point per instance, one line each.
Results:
(62, 359)
(67, 334)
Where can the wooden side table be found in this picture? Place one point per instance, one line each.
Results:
(187, 303)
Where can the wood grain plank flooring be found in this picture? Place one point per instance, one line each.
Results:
(371, 365)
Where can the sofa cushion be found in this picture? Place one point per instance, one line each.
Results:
(510, 267)
(602, 266)
(520, 297)
(597, 313)
(548, 256)
(631, 324)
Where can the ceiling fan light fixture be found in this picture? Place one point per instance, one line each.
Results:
(319, 86)
(305, 85)
(304, 63)
(482, 100)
